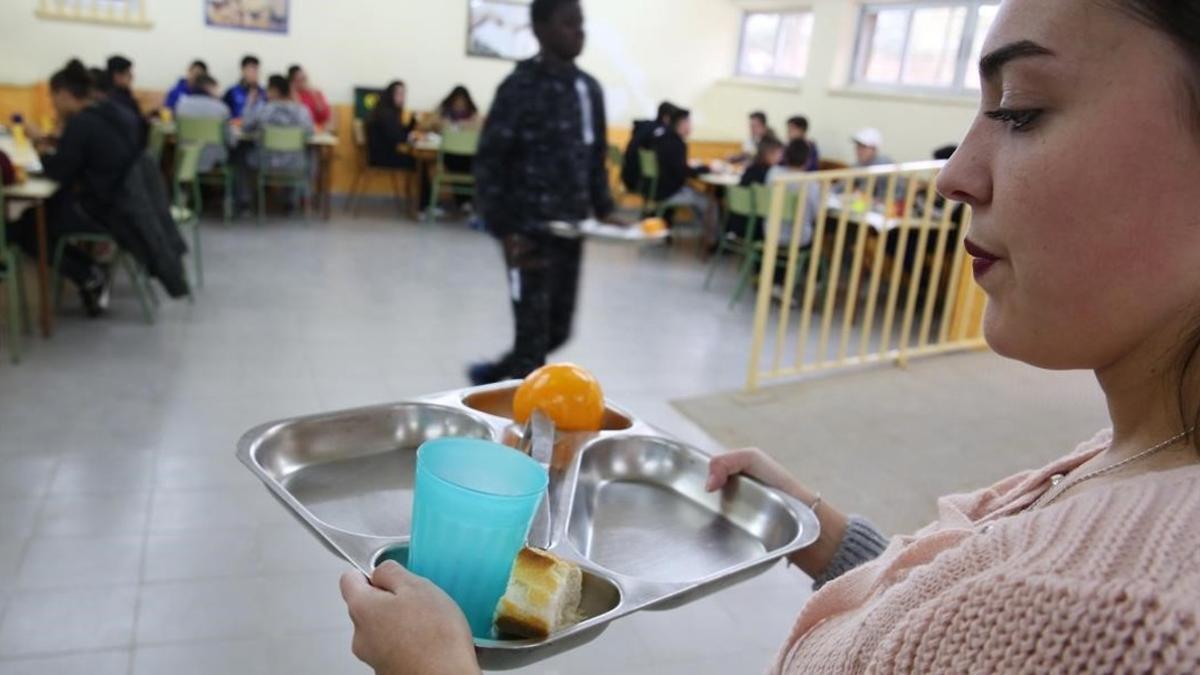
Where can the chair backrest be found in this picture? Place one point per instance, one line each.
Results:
(464, 143)
(155, 141)
(203, 130)
(359, 133)
(283, 139)
(740, 201)
(762, 203)
(188, 165)
(649, 163)
(615, 156)
(831, 165)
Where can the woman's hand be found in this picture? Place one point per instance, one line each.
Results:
(762, 467)
(404, 625)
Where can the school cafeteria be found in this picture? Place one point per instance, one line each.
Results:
(567, 337)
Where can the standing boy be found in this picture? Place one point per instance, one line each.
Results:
(541, 159)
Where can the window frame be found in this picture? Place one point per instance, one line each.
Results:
(131, 13)
(741, 49)
(961, 65)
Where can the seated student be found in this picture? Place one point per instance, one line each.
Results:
(797, 130)
(279, 110)
(389, 126)
(98, 144)
(758, 131)
(674, 169)
(185, 85)
(770, 155)
(458, 110)
(204, 104)
(645, 133)
(247, 95)
(796, 158)
(310, 97)
(867, 144)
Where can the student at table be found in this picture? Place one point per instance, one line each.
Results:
(204, 104)
(120, 82)
(185, 85)
(796, 159)
(543, 158)
(310, 97)
(867, 153)
(645, 134)
(99, 142)
(797, 130)
(758, 131)
(458, 110)
(674, 170)
(279, 110)
(247, 94)
(1084, 238)
(390, 125)
(768, 157)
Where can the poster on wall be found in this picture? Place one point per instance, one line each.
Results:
(500, 29)
(262, 15)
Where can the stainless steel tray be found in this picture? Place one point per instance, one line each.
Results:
(629, 501)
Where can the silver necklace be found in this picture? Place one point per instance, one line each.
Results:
(1050, 495)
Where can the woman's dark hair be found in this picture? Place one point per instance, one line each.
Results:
(280, 84)
(541, 11)
(459, 91)
(1180, 21)
(765, 146)
(293, 70)
(74, 78)
(101, 82)
(678, 115)
(797, 153)
(760, 116)
(387, 100)
(249, 60)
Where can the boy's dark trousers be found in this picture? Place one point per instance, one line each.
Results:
(543, 282)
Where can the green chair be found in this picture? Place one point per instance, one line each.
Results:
(139, 279)
(155, 142)
(648, 161)
(281, 139)
(187, 205)
(206, 132)
(13, 278)
(460, 143)
(615, 156)
(739, 201)
(753, 245)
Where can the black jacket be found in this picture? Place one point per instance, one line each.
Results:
(385, 132)
(533, 165)
(125, 99)
(755, 174)
(644, 134)
(673, 168)
(100, 160)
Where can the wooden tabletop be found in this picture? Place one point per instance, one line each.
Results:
(33, 189)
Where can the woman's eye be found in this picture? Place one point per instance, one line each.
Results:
(1017, 120)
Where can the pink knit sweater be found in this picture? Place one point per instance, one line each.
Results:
(1103, 581)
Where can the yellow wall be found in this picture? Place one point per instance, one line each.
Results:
(642, 51)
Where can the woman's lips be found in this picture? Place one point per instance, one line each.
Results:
(982, 258)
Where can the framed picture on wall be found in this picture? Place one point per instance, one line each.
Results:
(262, 15)
(500, 29)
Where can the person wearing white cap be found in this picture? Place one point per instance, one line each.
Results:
(867, 143)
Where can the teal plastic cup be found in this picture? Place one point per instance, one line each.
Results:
(473, 505)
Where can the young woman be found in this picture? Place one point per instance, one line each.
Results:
(458, 110)
(99, 143)
(1081, 169)
(389, 126)
(310, 97)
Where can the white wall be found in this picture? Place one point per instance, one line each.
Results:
(642, 50)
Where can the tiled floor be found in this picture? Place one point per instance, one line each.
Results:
(131, 541)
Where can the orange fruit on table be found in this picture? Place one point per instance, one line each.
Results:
(567, 394)
(653, 226)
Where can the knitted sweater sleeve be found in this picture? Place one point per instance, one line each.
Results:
(1045, 623)
(861, 544)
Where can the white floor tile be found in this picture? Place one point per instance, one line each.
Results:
(87, 663)
(81, 562)
(52, 622)
(201, 555)
(223, 609)
(93, 515)
(248, 657)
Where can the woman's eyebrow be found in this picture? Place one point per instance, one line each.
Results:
(991, 64)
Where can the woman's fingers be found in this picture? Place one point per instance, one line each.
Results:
(390, 577)
(354, 586)
(721, 467)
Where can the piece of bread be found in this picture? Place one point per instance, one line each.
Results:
(543, 596)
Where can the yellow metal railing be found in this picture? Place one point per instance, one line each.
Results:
(884, 278)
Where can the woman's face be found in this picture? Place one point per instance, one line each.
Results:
(458, 105)
(398, 96)
(1082, 169)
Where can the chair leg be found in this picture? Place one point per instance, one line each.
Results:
(56, 272)
(744, 276)
(14, 307)
(712, 266)
(262, 197)
(197, 255)
(397, 193)
(434, 190)
(141, 290)
(227, 202)
(26, 315)
(355, 185)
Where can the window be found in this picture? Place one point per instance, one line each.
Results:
(927, 46)
(118, 12)
(775, 45)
